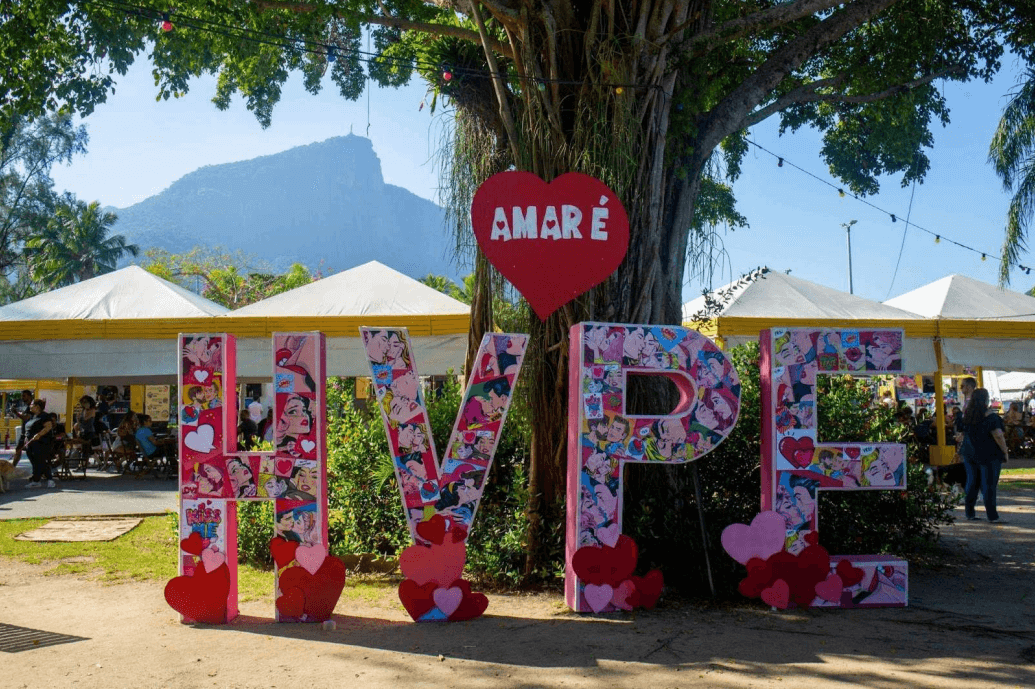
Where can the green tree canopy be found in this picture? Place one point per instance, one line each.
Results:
(75, 245)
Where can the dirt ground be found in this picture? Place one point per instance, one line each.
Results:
(970, 624)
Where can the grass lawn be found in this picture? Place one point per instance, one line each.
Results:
(148, 552)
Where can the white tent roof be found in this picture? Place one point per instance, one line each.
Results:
(962, 297)
(372, 289)
(958, 296)
(777, 295)
(128, 293)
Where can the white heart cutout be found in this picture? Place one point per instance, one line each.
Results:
(201, 439)
(201, 375)
(308, 445)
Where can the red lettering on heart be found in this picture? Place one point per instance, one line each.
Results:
(797, 451)
(593, 234)
(201, 597)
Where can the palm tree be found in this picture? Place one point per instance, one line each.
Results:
(75, 245)
(1012, 155)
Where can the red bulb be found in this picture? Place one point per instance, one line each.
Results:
(447, 75)
(167, 26)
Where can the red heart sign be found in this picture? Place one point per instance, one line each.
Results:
(193, 544)
(417, 599)
(649, 587)
(320, 591)
(798, 451)
(850, 575)
(283, 551)
(553, 241)
(472, 605)
(433, 530)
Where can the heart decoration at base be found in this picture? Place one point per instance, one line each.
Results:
(434, 590)
(201, 596)
(606, 577)
(310, 591)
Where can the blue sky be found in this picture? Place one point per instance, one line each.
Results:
(138, 147)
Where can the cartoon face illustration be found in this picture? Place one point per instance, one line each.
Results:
(296, 419)
(377, 346)
(208, 478)
(307, 478)
(882, 469)
(796, 502)
(617, 430)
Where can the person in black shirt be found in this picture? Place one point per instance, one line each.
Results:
(21, 410)
(247, 431)
(39, 444)
(983, 427)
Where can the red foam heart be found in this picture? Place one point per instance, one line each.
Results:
(322, 590)
(625, 596)
(433, 530)
(599, 565)
(830, 589)
(471, 606)
(760, 574)
(283, 551)
(574, 264)
(291, 602)
(438, 563)
(778, 595)
(850, 575)
(193, 544)
(649, 587)
(201, 597)
(797, 451)
(812, 538)
(417, 598)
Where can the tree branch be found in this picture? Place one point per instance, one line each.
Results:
(729, 115)
(808, 93)
(759, 21)
(394, 22)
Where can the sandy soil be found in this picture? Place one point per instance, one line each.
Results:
(970, 624)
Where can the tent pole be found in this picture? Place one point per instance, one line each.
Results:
(939, 452)
(69, 405)
(980, 373)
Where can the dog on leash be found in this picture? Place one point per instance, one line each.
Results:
(7, 472)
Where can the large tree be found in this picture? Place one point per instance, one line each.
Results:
(642, 94)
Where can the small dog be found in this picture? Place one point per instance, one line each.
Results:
(7, 472)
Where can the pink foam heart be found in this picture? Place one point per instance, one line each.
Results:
(623, 595)
(609, 535)
(311, 557)
(778, 595)
(830, 589)
(448, 600)
(212, 558)
(765, 537)
(598, 596)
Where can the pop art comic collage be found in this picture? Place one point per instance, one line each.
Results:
(710, 390)
(453, 488)
(212, 473)
(803, 464)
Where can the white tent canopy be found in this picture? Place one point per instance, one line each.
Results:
(370, 290)
(59, 322)
(776, 296)
(960, 297)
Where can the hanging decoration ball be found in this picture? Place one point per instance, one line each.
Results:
(937, 239)
(984, 257)
(619, 90)
(447, 76)
(167, 26)
(841, 193)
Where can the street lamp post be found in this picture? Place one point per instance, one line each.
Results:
(848, 230)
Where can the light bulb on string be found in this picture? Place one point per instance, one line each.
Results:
(618, 90)
(447, 75)
(542, 85)
(779, 162)
(893, 218)
(841, 193)
(167, 25)
(984, 257)
(331, 56)
(937, 239)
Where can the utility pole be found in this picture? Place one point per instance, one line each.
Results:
(848, 229)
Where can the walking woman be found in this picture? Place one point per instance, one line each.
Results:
(983, 427)
(40, 444)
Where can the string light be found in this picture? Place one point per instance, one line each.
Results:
(893, 216)
(447, 76)
(618, 90)
(167, 25)
(779, 162)
(331, 56)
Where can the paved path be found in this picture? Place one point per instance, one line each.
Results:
(101, 493)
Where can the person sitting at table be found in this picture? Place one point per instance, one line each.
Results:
(145, 437)
(1013, 419)
(39, 444)
(86, 426)
(266, 426)
(127, 429)
(247, 431)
